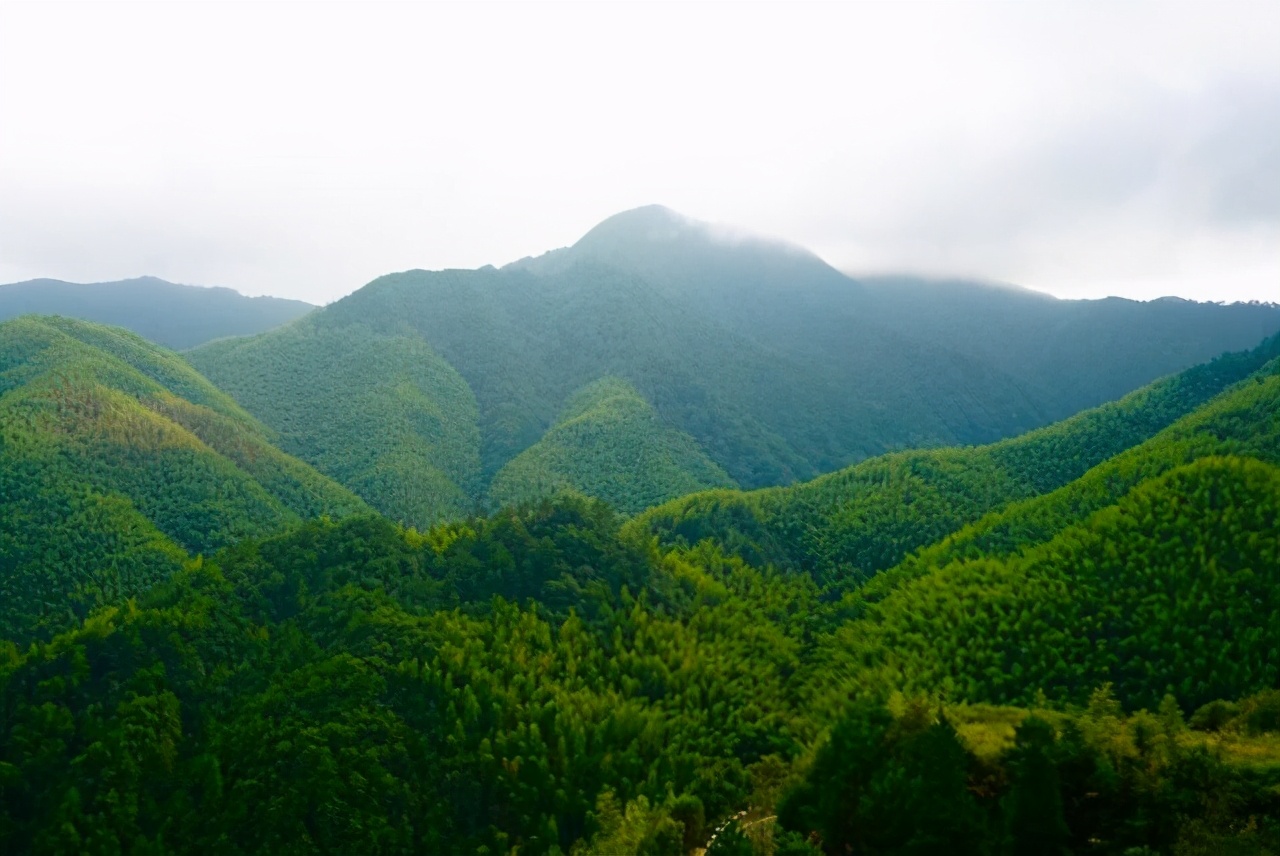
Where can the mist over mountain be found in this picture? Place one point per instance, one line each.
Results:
(778, 366)
(176, 316)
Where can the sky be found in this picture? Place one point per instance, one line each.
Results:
(301, 149)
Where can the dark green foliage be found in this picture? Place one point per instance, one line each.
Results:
(313, 695)
(880, 786)
(1092, 780)
(176, 316)
(1033, 807)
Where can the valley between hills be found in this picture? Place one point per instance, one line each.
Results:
(661, 543)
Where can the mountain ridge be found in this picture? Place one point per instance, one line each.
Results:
(778, 366)
(177, 316)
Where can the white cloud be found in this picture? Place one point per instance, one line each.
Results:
(302, 149)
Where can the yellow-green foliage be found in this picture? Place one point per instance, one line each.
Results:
(108, 475)
(1172, 590)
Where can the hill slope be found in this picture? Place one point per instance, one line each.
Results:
(854, 523)
(176, 316)
(1173, 589)
(610, 444)
(371, 405)
(116, 460)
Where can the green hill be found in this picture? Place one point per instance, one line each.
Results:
(609, 443)
(371, 405)
(779, 367)
(1244, 420)
(849, 525)
(176, 316)
(116, 460)
(1173, 589)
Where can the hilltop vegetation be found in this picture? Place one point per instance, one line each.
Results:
(778, 367)
(116, 460)
(550, 680)
(176, 316)
(610, 444)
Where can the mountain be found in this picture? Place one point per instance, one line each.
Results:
(117, 461)
(176, 316)
(610, 444)
(779, 367)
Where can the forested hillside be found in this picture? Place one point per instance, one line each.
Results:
(1173, 589)
(176, 316)
(610, 444)
(552, 680)
(116, 459)
(852, 524)
(778, 367)
(370, 405)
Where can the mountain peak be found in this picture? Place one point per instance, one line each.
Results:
(649, 224)
(639, 231)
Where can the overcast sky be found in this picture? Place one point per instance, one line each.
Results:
(302, 149)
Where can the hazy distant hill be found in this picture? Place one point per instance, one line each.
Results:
(778, 366)
(177, 316)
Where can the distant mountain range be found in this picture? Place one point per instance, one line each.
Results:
(431, 393)
(176, 316)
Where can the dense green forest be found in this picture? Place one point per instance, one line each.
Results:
(116, 459)
(540, 682)
(1058, 643)
(176, 316)
(417, 390)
